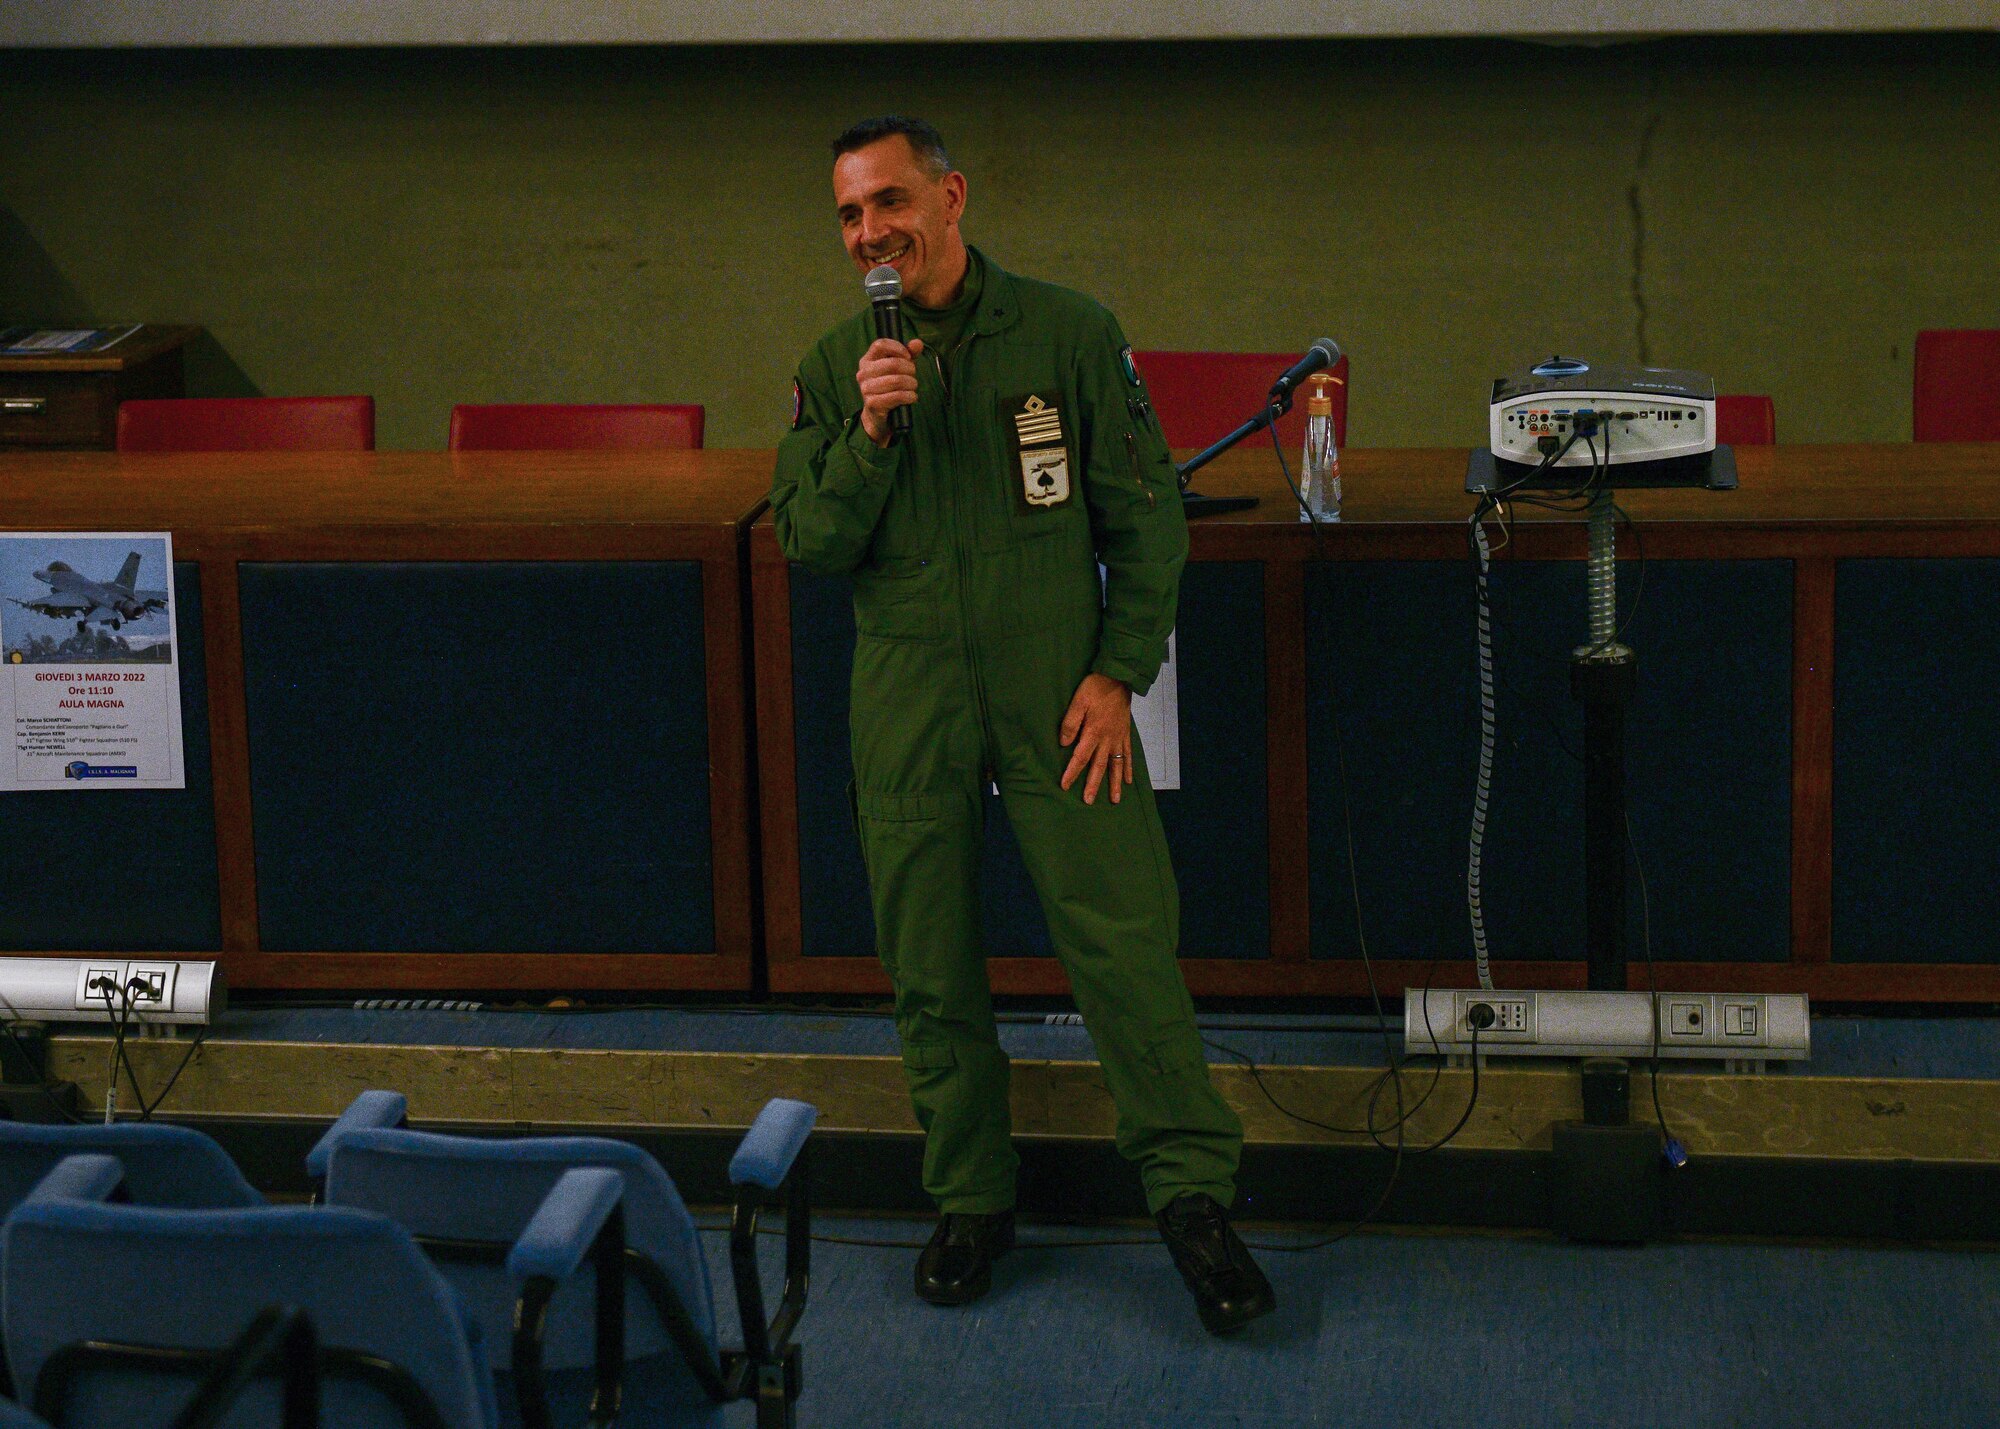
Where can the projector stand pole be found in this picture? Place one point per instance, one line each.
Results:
(1603, 675)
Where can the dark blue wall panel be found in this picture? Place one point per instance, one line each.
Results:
(1391, 657)
(1916, 761)
(489, 757)
(128, 869)
(1216, 822)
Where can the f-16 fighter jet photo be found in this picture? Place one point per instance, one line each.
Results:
(112, 602)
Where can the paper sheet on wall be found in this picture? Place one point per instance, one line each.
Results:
(90, 694)
(1156, 720)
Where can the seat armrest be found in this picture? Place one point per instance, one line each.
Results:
(563, 1228)
(582, 1215)
(89, 1177)
(774, 1156)
(370, 1109)
(764, 1157)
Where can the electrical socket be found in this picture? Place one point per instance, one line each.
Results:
(1512, 1019)
(147, 984)
(1686, 1019)
(96, 981)
(154, 983)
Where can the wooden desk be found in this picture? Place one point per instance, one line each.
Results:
(1790, 840)
(1791, 843)
(62, 402)
(509, 824)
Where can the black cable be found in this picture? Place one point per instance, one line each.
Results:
(1639, 549)
(1278, 447)
(145, 1110)
(1471, 1101)
(119, 1018)
(124, 1054)
(1676, 1153)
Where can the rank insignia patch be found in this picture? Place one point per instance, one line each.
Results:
(1042, 447)
(1131, 367)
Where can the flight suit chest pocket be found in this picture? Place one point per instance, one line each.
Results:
(897, 599)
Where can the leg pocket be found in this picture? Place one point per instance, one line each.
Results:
(928, 1056)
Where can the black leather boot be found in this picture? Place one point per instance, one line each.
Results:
(956, 1268)
(1229, 1290)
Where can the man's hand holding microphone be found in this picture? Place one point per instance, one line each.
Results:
(888, 378)
(888, 371)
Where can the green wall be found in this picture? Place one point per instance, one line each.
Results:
(437, 226)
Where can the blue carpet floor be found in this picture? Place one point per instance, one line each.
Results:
(1389, 1330)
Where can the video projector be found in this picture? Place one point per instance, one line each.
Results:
(1564, 422)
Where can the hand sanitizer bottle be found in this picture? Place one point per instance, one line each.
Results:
(1319, 471)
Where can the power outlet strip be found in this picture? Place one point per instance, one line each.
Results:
(1727, 1026)
(162, 992)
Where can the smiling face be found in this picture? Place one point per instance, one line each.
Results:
(895, 210)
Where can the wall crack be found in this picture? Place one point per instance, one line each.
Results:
(1635, 202)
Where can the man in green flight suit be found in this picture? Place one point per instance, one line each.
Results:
(989, 648)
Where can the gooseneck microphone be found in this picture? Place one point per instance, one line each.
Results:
(884, 286)
(1320, 356)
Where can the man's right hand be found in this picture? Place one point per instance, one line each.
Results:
(888, 378)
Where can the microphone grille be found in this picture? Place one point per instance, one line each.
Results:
(883, 283)
(1331, 348)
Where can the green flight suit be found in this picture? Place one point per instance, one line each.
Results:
(978, 613)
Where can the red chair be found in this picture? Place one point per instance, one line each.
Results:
(247, 424)
(574, 426)
(1957, 388)
(1745, 421)
(1203, 396)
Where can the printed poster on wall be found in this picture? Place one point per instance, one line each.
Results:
(90, 690)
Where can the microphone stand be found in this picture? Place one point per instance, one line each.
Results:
(1193, 502)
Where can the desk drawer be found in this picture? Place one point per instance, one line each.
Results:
(57, 409)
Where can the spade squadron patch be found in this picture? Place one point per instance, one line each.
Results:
(1042, 448)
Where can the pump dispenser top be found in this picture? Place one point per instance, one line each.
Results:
(1318, 403)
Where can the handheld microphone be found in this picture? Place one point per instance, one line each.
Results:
(1321, 355)
(884, 286)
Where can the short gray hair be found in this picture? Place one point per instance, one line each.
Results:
(924, 139)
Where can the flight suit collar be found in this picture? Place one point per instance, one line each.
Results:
(998, 308)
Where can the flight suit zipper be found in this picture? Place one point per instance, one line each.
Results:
(959, 544)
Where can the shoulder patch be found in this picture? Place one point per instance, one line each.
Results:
(1131, 367)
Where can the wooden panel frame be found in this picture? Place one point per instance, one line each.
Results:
(379, 507)
(1811, 506)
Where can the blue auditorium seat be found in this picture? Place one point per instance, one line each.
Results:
(466, 1198)
(164, 1165)
(152, 1294)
